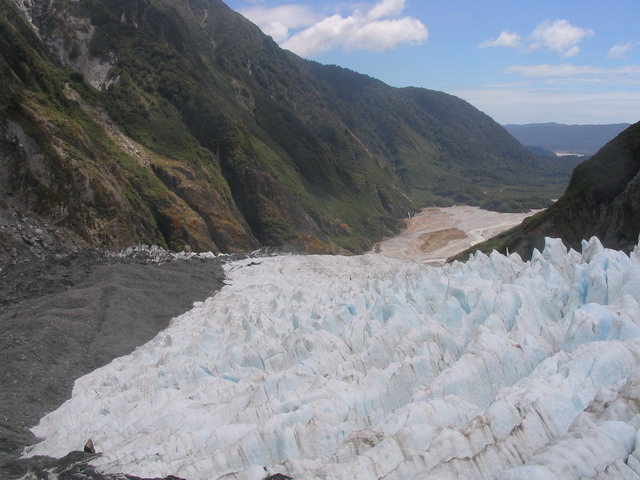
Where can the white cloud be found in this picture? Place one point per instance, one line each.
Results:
(621, 51)
(567, 72)
(521, 105)
(354, 34)
(386, 8)
(505, 39)
(557, 35)
(379, 27)
(277, 21)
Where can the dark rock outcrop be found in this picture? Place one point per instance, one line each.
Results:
(602, 200)
(73, 466)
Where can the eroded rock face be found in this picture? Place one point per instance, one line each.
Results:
(97, 71)
(621, 224)
(23, 168)
(71, 44)
(35, 10)
(603, 197)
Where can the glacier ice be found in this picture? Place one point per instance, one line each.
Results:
(367, 367)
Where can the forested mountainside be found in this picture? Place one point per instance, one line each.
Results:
(179, 123)
(578, 139)
(602, 199)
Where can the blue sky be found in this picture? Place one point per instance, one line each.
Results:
(519, 61)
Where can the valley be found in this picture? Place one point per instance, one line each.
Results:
(437, 233)
(158, 157)
(181, 145)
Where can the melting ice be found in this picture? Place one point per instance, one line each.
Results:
(366, 367)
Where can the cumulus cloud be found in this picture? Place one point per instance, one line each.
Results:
(379, 27)
(621, 51)
(557, 35)
(277, 21)
(386, 8)
(505, 39)
(354, 34)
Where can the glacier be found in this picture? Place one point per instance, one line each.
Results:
(365, 367)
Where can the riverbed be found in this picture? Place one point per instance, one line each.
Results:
(438, 233)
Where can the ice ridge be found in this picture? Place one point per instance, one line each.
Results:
(367, 367)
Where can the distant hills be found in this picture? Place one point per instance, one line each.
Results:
(602, 199)
(556, 137)
(179, 123)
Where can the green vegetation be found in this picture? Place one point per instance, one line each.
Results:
(243, 141)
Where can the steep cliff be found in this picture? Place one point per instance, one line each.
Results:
(64, 159)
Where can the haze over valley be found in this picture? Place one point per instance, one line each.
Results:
(582, 140)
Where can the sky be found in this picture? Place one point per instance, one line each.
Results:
(519, 61)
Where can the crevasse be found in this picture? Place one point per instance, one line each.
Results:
(366, 367)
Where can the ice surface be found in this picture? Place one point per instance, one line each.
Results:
(368, 367)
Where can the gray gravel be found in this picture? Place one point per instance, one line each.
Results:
(64, 316)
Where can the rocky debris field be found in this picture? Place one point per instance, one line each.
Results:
(23, 237)
(65, 311)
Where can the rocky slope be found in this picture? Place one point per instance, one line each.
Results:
(602, 199)
(63, 317)
(177, 122)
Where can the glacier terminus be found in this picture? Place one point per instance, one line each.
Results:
(365, 367)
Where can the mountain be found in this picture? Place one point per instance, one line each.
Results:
(577, 139)
(179, 123)
(602, 199)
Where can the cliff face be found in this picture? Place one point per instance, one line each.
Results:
(73, 172)
(177, 122)
(108, 190)
(602, 199)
